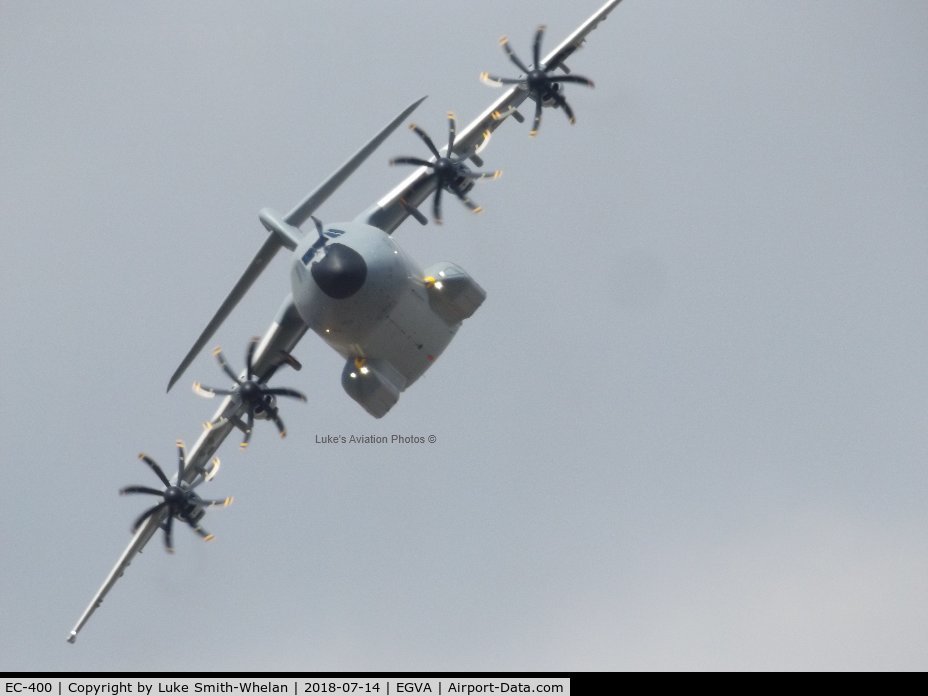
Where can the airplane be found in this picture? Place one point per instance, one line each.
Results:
(355, 287)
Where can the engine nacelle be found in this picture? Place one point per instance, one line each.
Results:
(453, 294)
(374, 384)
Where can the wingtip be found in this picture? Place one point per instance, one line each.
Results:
(72, 636)
(415, 105)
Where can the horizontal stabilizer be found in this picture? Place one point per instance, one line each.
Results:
(301, 213)
(258, 264)
(295, 218)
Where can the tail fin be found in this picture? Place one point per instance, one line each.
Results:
(296, 217)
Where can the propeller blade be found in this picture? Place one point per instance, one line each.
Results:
(425, 138)
(504, 42)
(210, 475)
(485, 175)
(573, 78)
(140, 489)
(452, 132)
(154, 467)
(224, 502)
(250, 356)
(536, 47)
(287, 392)
(181, 461)
(249, 426)
(537, 122)
(436, 206)
(468, 202)
(411, 160)
(145, 515)
(217, 351)
(209, 392)
(493, 81)
(561, 102)
(168, 546)
(278, 422)
(199, 530)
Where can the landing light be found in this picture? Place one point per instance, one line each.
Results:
(364, 370)
(353, 375)
(438, 285)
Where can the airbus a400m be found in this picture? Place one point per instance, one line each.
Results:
(352, 284)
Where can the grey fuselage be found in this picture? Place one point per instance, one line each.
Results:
(390, 319)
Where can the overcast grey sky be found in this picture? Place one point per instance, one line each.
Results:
(687, 429)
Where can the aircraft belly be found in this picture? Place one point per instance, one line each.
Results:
(410, 337)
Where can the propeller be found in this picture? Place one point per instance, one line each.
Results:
(449, 170)
(257, 397)
(179, 499)
(541, 86)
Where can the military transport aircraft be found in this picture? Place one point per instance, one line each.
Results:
(354, 286)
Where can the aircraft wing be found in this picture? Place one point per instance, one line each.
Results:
(391, 210)
(272, 352)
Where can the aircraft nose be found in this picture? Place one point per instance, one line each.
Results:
(341, 272)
